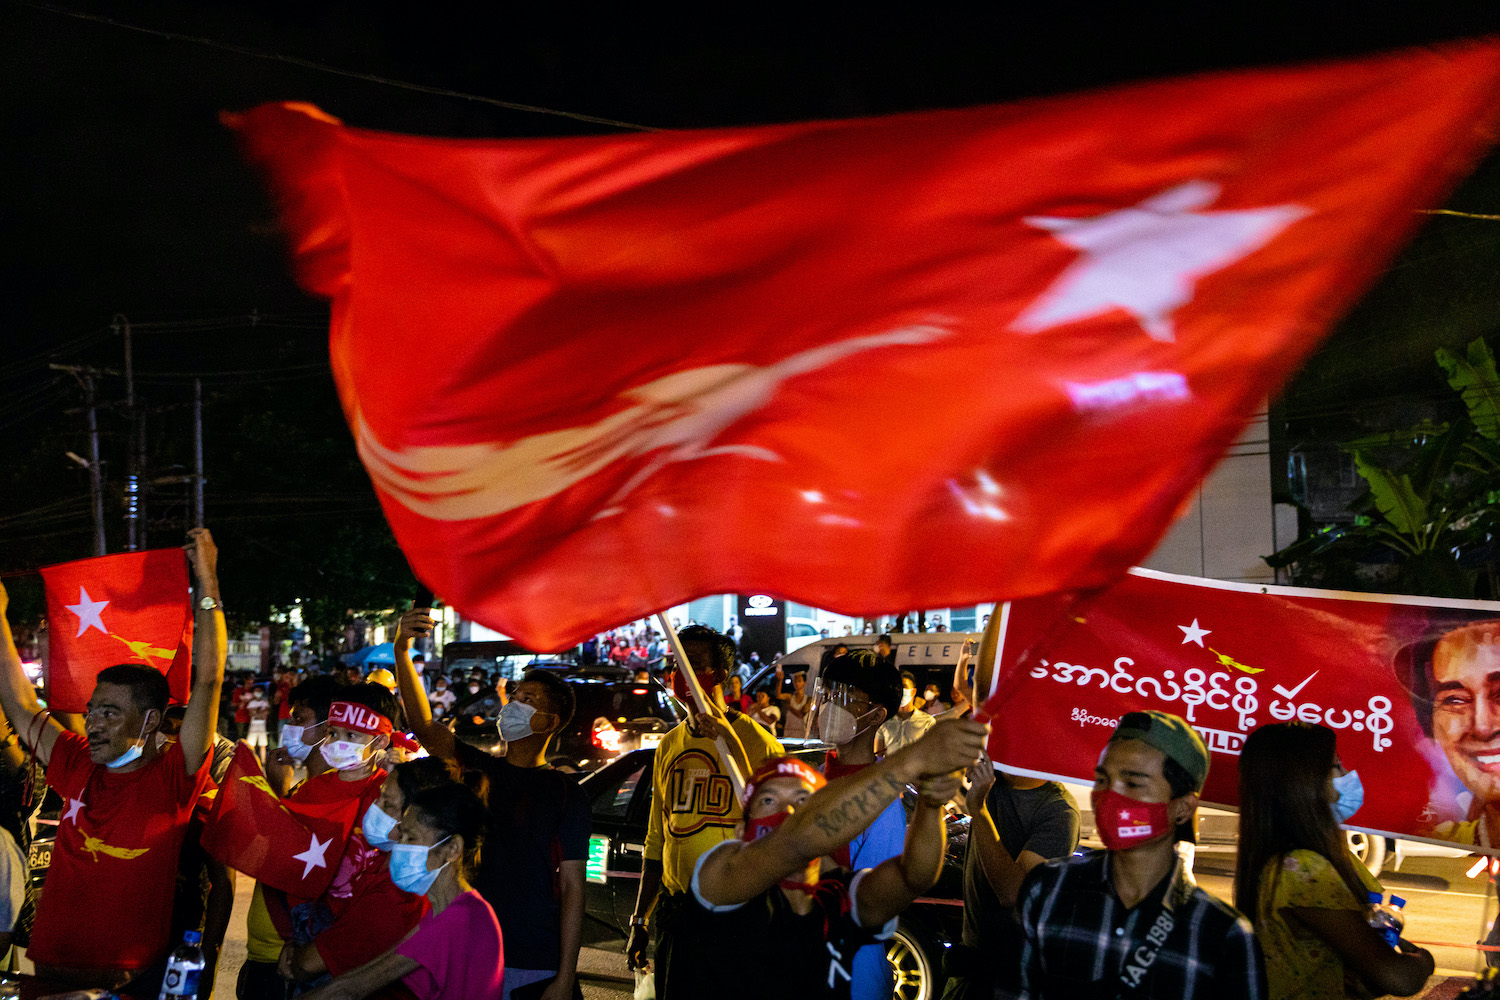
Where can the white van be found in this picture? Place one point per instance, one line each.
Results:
(930, 656)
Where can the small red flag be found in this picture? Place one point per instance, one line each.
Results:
(915, 361)
(134, 607)
(295, 844)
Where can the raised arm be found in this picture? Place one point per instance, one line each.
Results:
(832, 817)
(892, 885)
(18, 696)
(210, 646)
(1003, 872)
(435, 737)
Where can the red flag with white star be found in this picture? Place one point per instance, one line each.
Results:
(1396, 678)
(915, 361)
(294, 844)
(134, 607)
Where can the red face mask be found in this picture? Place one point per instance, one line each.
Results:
(1124, 822)
(758, 828)
(681, 689)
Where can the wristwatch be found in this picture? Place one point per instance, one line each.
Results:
(207, 604)
(637, 921)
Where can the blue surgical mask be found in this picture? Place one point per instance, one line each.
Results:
(515, 721)
(409, 867)
(1351, 795)
(132, 753)
(378, 825)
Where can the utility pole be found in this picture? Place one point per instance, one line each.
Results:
(198, 452)
(136, 445)
(96, 479)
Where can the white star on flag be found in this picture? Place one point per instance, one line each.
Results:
(1192, 633)
(314, 856)
(1145, 259)
(73, 806)
(88, 610)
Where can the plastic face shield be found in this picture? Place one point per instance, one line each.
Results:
(840, 713)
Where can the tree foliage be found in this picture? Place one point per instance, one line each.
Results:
(1431, 511)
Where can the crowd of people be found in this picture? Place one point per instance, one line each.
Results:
(462, 873)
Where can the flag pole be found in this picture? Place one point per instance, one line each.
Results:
(704, 705)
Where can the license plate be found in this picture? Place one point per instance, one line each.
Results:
(41, 856)
(649, 741)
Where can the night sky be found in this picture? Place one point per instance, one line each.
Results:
(123, 195)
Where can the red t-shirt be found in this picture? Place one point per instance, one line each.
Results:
(284, 689)
(108, 898)
(241, 700)
(370, 915)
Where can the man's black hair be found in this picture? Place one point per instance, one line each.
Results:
(374, 697)
(722, 645)
(318, 693)
(148, 687)
(415, 776)
(884, 637)
(1181, 784)
(881, 682)
(560, 697)
(907, 675)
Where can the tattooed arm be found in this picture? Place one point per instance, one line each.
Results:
(835, 815)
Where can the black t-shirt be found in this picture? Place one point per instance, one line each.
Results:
(539, 819)
(807, 955)
(1042, 820)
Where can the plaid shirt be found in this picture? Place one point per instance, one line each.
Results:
(1079, 937)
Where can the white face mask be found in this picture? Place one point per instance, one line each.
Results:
(343, 755)
(293, 742)
(907, 694)
(515, 721)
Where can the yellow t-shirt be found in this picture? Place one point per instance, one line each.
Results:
(264, 944)
(1299, 963)
(693, 805)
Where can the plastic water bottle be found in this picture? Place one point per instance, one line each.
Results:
(183, 969)
(1387, 918)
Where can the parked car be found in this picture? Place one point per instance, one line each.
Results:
(615, 715)
(620, 796)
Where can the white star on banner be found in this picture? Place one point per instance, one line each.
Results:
(315, 855)
(1145, 259)
(73, 806)
(88, 610)
(1192, 633)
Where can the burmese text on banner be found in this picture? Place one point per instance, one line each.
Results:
(1396, 678)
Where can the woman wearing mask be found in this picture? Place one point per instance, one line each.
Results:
(735, 697)
(401, 786)
(455, 953)
(1296, 878)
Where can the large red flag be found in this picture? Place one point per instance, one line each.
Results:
(294, 845)
(920, 360)
(133, 607)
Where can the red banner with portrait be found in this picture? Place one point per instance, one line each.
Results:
(1410, 686)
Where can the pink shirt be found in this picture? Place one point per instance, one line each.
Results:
(458, 952)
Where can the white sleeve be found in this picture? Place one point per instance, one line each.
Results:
(697, 893)
(12, 881)
(888, 928)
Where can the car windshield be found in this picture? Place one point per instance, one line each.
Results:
(624, 702)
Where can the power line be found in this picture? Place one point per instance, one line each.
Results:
(243, 50)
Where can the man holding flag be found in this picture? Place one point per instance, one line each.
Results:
(105, 917)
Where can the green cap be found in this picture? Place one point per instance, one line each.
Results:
(1172, 736)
